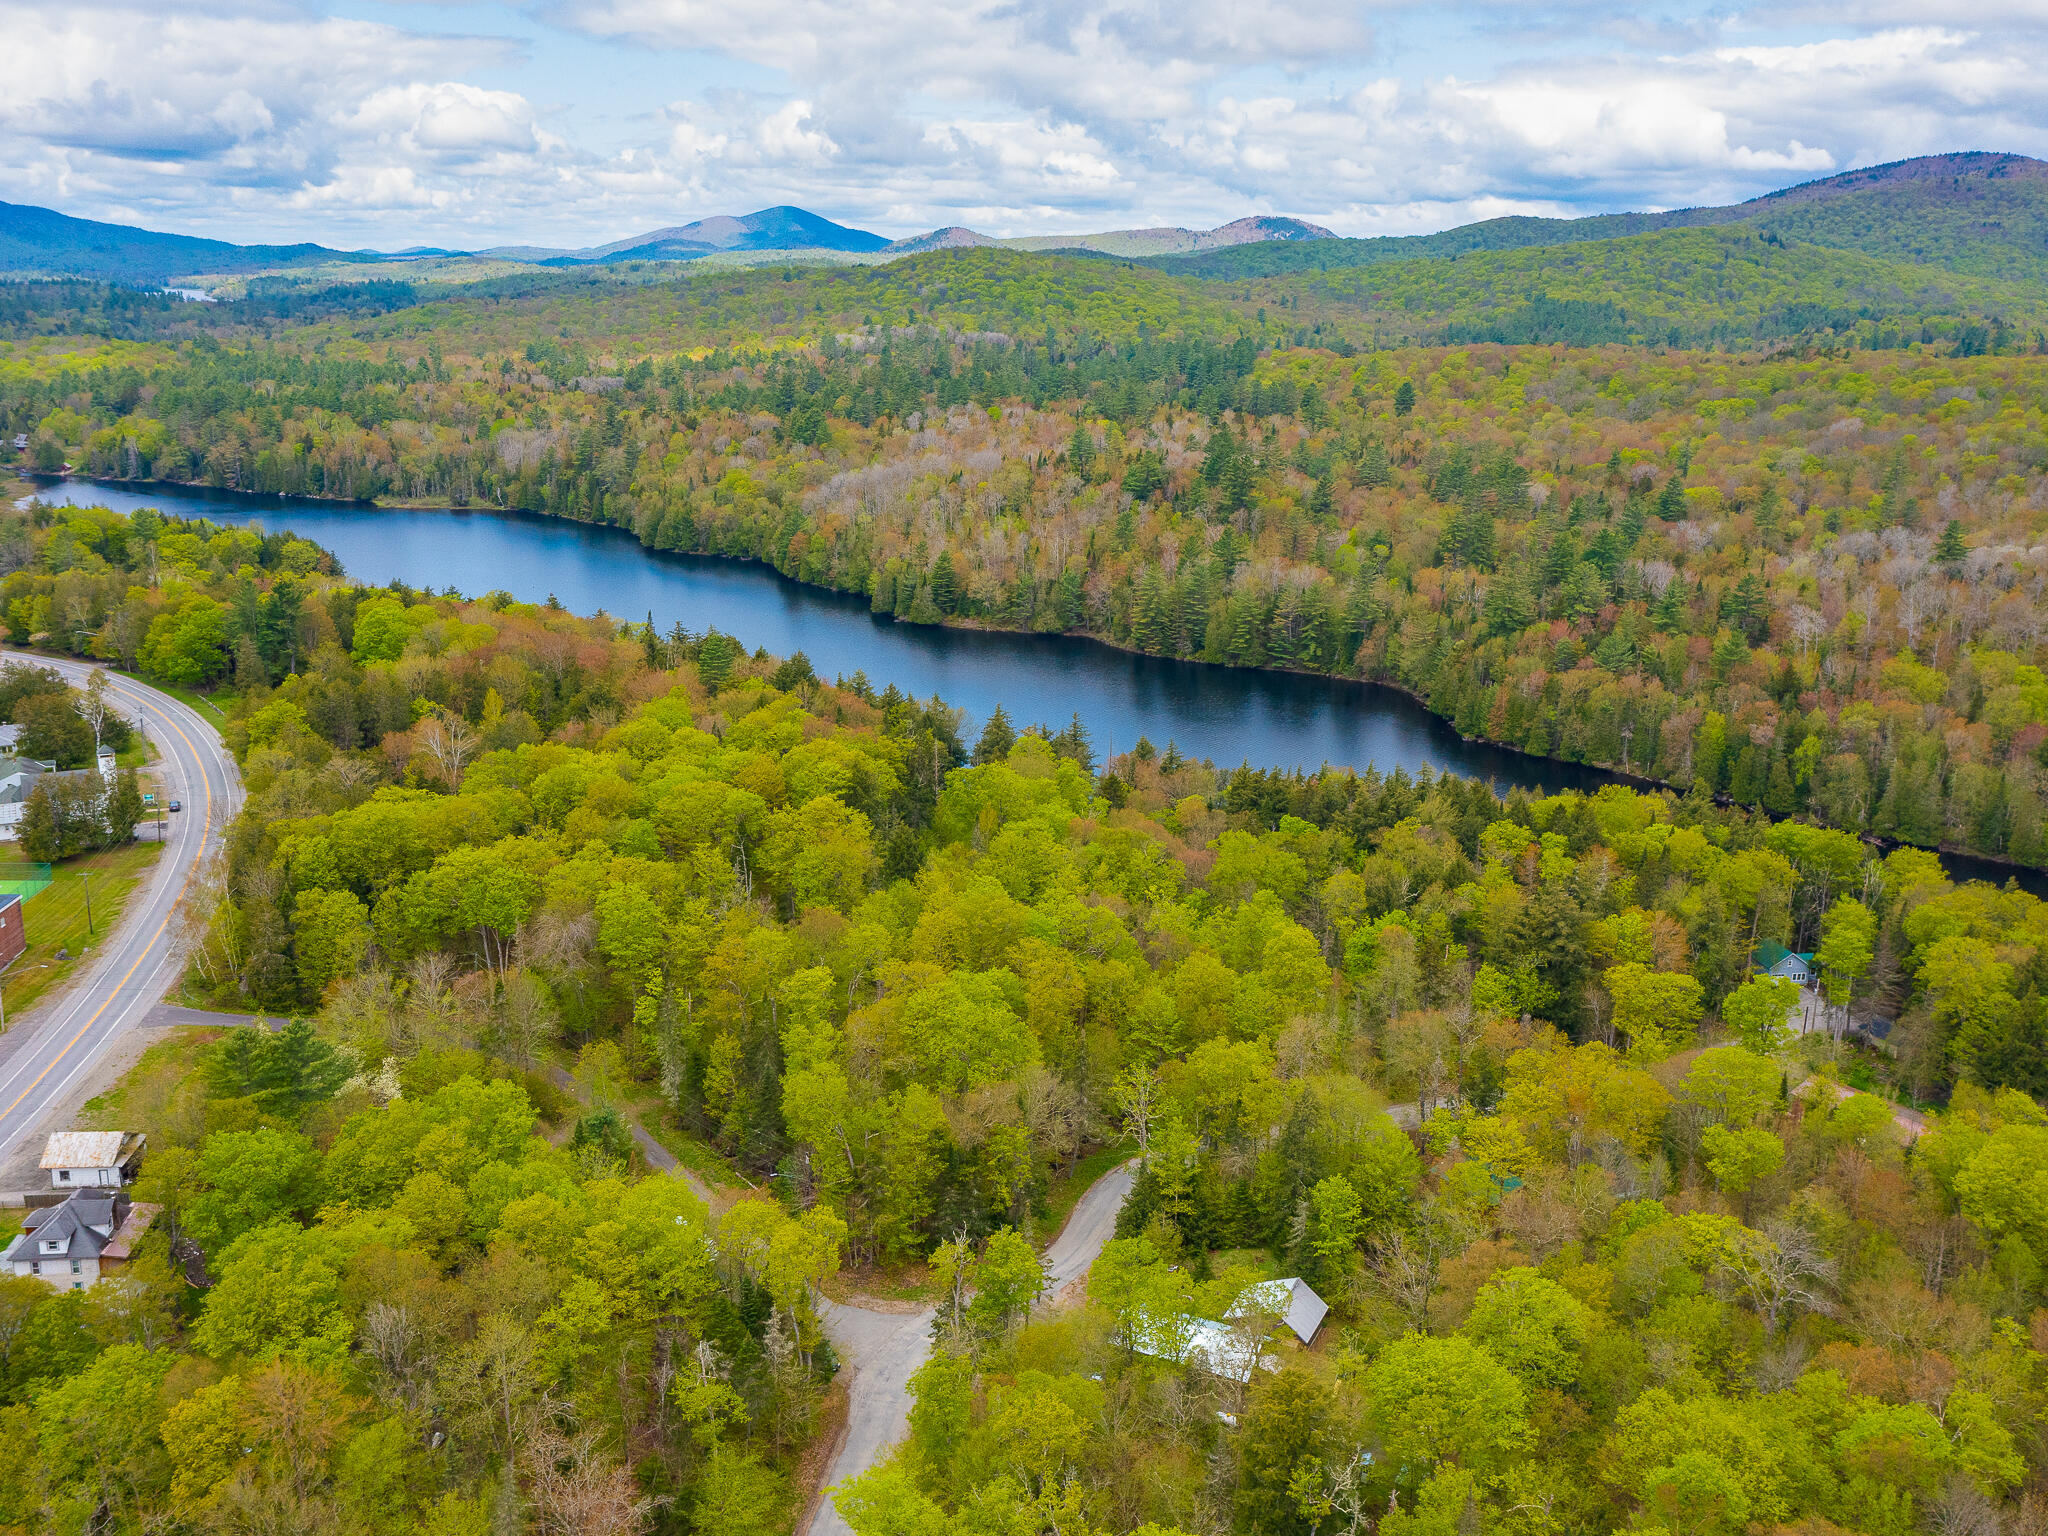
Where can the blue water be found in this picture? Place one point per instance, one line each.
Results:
(1229, 715)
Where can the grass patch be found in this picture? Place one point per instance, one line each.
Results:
(212, 708)
(158, 1094)
(55, 918)
(1066, 1193)
(910, 1284)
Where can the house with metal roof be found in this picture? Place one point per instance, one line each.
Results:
(1293, 1301)
(1776, 960)
(93, 1159)
(1234, 1348)
(72, 1245)
(1815, 1014)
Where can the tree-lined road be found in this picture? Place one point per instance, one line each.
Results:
(882, 1350)
(47, 1051)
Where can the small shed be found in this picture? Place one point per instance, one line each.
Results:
(93, 1159)
(1776, 960)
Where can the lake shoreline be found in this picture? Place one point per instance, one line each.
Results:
(1400, 723)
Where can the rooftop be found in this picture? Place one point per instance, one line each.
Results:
(91, 1149)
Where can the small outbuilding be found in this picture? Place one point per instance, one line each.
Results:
(93, 1159)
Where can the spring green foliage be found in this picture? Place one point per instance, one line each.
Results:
(1800, 578)
(905, 991)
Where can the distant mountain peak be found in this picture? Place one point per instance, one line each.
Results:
(1970, 163)
(781, 228)
(953, 237)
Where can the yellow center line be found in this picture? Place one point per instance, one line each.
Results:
(207, 787)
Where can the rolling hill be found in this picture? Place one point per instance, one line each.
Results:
(42, 242)
(1977, 213)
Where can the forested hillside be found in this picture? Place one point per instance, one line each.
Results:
(1981, 214)
(1807, 579)
(1632, 1268)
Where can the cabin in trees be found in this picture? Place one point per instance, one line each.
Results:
(70, 1246)
(1777, 960)
(1815, 1013)
(93, 1159)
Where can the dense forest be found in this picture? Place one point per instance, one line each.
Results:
(1634, 1254)
(1808, 579)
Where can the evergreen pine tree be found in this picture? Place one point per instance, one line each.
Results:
(1669, 614)
(1671, 500)
(1509, 608)
(1404, 398)
(1951, 548)
(997, 737)
(1373, 470)
(946, 584)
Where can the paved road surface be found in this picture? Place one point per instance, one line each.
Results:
(48, 1049)
(882, 1349)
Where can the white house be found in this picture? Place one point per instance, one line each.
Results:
(20, 775)
(1235, 1348)
(72, 1245)
(93, 1159)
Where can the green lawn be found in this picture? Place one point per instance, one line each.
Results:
(151, 1095)
(55, 919)
(212, 708)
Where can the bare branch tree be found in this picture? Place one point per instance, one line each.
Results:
(449, 744)
(1782, 1268)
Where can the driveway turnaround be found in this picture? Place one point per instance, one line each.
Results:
(883, 1350)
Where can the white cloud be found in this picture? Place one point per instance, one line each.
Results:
(1058, 116)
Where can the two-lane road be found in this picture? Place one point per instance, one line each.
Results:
(48, 1051)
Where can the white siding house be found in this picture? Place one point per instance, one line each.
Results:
(70, 1246)
(93, 1159)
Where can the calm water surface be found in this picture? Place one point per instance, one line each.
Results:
(1228, 715)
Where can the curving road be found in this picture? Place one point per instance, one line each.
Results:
(884, 1349)
(47, 1051)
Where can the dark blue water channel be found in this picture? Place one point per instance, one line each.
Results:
(1229, 715)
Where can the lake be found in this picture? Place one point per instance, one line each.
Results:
(1229, 715)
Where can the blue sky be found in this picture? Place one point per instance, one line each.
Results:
(569, 122)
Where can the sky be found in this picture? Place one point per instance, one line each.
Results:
(390, 123)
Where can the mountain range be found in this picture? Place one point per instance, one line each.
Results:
(1977, 212)
(1981, 213)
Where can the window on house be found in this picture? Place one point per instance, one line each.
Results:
(74, 1267)
(64, 1175)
